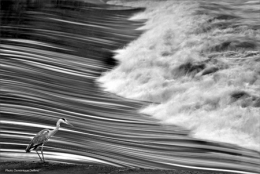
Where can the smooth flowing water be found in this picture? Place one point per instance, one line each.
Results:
(51, 54)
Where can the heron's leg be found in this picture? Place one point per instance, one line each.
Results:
(42, 153)
(38, 154)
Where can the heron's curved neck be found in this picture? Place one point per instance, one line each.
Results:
(56, 129)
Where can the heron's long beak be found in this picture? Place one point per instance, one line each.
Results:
(70, 124)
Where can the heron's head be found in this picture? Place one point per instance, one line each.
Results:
(64, 120)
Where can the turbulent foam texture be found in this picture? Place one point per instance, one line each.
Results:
(198, 62)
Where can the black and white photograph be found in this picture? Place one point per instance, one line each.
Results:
(130, 86)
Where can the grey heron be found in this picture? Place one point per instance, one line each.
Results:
(43, 136)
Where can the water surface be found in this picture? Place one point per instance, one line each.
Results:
(51, 54)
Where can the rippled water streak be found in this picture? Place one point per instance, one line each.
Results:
(51, 55)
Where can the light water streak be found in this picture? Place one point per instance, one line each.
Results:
(48, 71)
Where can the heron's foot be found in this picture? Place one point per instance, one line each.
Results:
(45, 163)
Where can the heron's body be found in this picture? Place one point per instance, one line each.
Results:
(42, 137)
(39, 139)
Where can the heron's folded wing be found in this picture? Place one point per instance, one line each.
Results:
(41, 137)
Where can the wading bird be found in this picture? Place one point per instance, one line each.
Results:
(43, 136)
